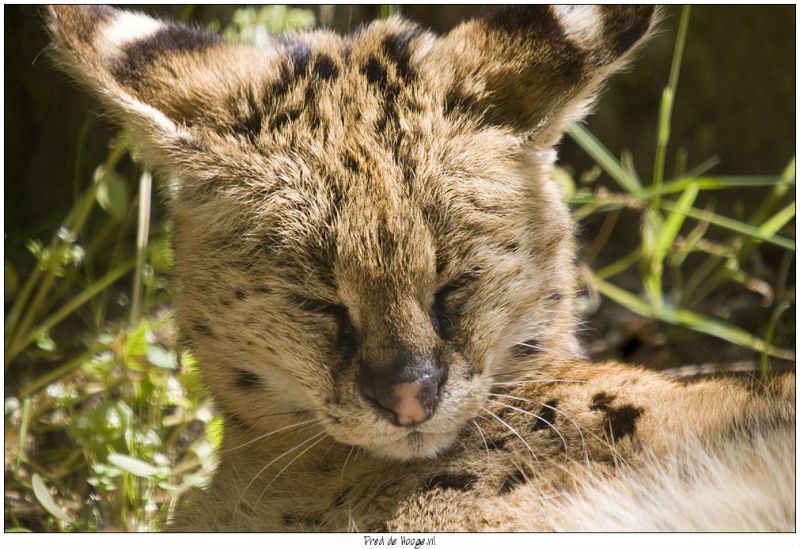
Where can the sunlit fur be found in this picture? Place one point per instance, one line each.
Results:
(359, 200)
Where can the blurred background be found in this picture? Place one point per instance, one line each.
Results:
(682, 184)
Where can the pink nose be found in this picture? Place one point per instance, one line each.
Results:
(405, 393)
(407, 406)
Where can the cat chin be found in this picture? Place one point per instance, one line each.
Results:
(414, 446)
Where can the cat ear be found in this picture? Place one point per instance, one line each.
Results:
(537, 68)
(168, 82)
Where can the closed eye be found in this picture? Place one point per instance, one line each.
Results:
(345, 333)
(319, 306)
(443, 314)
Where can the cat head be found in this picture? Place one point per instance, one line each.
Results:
(365, 227)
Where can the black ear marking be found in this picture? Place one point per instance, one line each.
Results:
(141, 53)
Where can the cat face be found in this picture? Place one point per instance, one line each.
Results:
(366, 233)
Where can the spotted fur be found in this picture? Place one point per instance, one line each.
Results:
(347, 204)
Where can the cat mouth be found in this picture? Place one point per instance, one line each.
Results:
(415, 444)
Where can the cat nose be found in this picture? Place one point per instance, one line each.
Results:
(407, 397)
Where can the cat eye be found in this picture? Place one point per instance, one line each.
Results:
(345, 333)
(444, 314)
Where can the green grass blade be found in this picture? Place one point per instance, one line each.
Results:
(735, 226)
(667, 102)
(604, 158)
(779, 220)
(690, 319)
(145, 194)
(764, 366)
(715, 184)
(100, 285)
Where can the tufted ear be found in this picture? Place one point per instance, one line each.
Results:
(168, 82)
(537, 68)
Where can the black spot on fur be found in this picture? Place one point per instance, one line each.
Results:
(233, 420)
(261, 289)
(496, 444)
(398, 48)
(249, 119)
(280, 86)
(547, 415)
(375, 72)
(310, 95)
(620, 421)
(297, 520)
(325, 68)
(456, 101)
(202, 328)
(527, 348)
(281, 119)
(555, 297)
(602, 401)
(451, 481)
(512, 481)
(351, 163)
(240, 294)
(138, 55)
(341, 498)
(246, 380)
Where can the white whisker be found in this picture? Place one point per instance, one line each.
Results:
(480, 432)
(320, 437)
(510, 428)
(260, 437)
(563, 440)
(268, 465)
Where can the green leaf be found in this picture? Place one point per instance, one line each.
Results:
(113, 194)
(43, 495)
(607, 161)
(735, 226)
(45, 342)
(132, 465)
(674, 222)
(689, 319)
(214, 431)
(135, 344)
(164, 359)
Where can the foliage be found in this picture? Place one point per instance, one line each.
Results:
(110, 422)
(673, 289)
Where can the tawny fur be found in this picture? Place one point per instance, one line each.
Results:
(351, 203)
